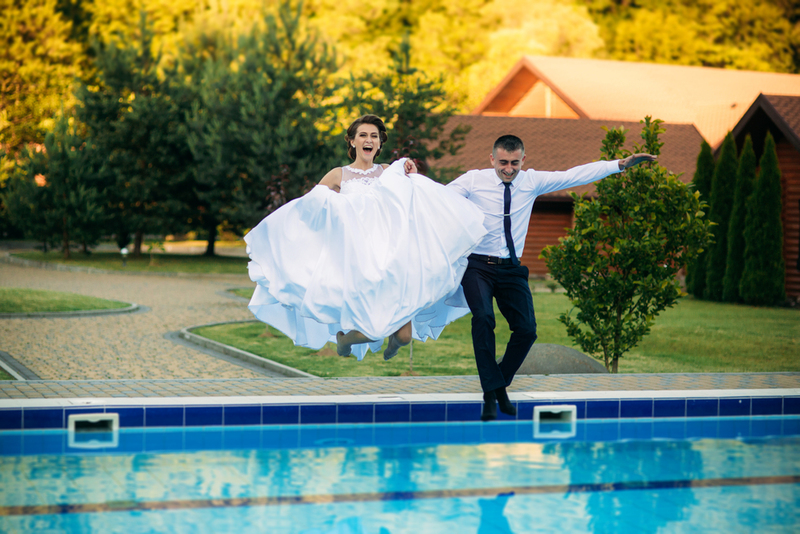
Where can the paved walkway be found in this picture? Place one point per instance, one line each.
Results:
(125, 346)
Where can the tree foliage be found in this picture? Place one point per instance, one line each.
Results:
(722, 188)
(734, 265)
(763, 277)
(618, 264)
(701, 182)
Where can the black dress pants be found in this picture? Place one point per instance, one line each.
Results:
(508, 284)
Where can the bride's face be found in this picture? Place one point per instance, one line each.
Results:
(367, 141)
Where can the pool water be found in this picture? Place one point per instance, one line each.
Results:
(417, 478)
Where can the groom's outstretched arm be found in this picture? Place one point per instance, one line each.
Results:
(635, 159)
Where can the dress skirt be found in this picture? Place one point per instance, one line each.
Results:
(370, 261)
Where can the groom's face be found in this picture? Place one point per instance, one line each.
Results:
(507, 164)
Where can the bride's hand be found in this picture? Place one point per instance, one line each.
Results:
(409, 166)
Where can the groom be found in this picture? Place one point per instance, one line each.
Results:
(506, 194)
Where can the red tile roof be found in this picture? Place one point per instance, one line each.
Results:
(559, 144)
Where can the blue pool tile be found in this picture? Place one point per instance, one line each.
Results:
(732, 407)
(702, 407)
(767, 406)
(129, 417)
(474, 433)
(791, 427)
(464, 411)
(363, 435)
(355, 413)
(242, 415)
(734, 427)
(669, 408)
(602, 409)
(762, 428)
(498, 433)
(43, 442)
(11, 419)
(163, 416)
(203, 439)
(130, 442)
(241, 438)
(525, 409)
(791, 406)
(315, 414)
(280, 414)
(636, 408)
(42, 418)
(203, 416)
(392, 435)
(635, 430)
(11, 444)
(392, 413)
(701, 428)
(163, 441)
(665, 429)
(433, 434)
(428, 412)
(503, 417)
(602, 431)
(580, 407)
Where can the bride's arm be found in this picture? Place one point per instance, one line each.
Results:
(333, 179)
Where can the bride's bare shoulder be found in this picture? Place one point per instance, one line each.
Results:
(333, 179)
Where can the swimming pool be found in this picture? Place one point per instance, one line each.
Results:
(724, 474)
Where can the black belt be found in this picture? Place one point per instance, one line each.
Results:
(491, 260)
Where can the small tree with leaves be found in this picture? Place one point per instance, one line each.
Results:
(722, 188)
(619, 262)
(763, 281)
(703, 175)
(415, 110)
(745, 179)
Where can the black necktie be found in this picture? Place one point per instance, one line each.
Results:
(507, 222)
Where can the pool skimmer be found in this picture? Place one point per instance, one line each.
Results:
(557, 421)
(93, 430)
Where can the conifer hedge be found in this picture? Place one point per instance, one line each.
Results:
(704, 173)
(745, 179)
(722, 188)
(763, 276)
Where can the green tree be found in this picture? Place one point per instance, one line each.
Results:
(763, 277)
(745, 178)
(260, 128)
(38, 65)
(415, 109)
(722, 187)
(135, 113)
(66, 201)
(703, 176)
(619, 262)
(25, 202)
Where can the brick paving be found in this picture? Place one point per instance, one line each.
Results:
(127, 355)
(125, 346)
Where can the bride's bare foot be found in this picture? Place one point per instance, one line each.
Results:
(342, 349)
(392, 348)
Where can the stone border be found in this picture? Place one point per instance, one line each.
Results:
(79, 313)
(16, 369)
(6, 257)
(233, 352)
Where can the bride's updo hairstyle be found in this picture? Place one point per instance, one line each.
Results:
(351, 133)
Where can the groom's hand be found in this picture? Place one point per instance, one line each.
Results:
(635, 159)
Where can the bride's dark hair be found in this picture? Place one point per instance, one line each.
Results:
(351, 133)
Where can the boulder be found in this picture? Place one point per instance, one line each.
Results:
(550, 359)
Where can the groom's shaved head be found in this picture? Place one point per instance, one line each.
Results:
(509, 143)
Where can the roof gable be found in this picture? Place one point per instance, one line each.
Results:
(776, 113)
(712, 99)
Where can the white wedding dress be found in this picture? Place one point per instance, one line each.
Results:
(387, 250)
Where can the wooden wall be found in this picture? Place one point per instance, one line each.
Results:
(789, 162)
(549, 221)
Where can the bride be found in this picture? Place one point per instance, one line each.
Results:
(372, 251)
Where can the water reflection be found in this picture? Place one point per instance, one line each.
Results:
(493, 519)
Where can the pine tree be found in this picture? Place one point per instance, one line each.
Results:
(722, 189)
(745, 179)
(763, 277)
(703, 175)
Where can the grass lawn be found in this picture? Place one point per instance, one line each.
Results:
(694, 336)
(4, 375)
(20, 300)
(173, 263)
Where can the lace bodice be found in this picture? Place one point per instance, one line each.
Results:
(356, 180)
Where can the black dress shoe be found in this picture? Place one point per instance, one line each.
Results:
(506, 406)
(489, 406)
